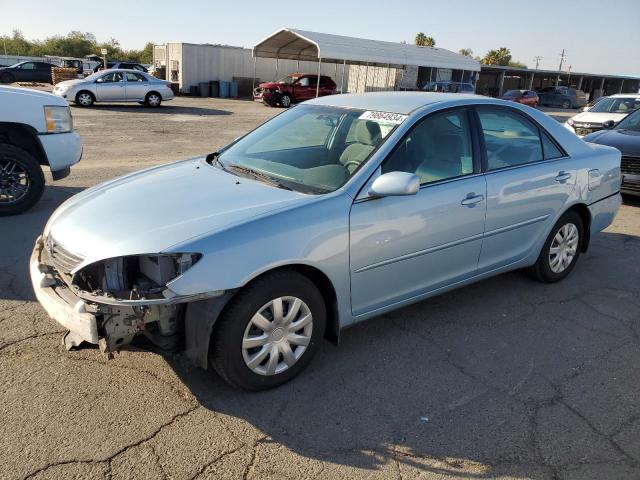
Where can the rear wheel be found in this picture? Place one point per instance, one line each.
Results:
(153, 99)
(566, 104)
(85, 99)
(21, 180)
(269, 332)
(561, 250)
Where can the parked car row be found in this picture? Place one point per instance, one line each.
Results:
(40, 72)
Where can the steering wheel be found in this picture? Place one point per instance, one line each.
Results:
(351, 162)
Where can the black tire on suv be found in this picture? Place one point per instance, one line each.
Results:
(21, 180)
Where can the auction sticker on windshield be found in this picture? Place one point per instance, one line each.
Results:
(383, 117)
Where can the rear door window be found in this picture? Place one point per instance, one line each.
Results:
(510, 139)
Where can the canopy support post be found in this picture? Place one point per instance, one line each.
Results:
(253, 82)
(298, 66)
(344, 64)
(276, 69)
(318, 79)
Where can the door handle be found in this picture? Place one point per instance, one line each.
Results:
(563, 177)
(472, 199)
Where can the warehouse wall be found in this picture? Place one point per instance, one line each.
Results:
(202, 63)
(362, 79)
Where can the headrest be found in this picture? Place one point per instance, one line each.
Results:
(368, 133)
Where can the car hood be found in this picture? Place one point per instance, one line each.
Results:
(152, 210)
(69, 83)
(627, 141)
(595, 117)
(271, 84)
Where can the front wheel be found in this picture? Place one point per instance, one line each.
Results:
(85, 99)
(561, 250)
(285, 100)
(21, 180)
(7, 78)
(269, 332)
(153, 99)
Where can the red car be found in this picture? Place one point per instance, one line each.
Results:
(295, 87)
(526, 97)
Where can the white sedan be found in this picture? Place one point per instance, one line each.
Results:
(603, 114)
(115, 85)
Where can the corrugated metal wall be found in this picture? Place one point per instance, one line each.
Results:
(202, 63)
(362, 78)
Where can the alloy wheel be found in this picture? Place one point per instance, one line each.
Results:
(286, 101)
(14, 181)
(277, 336)
(563, 248)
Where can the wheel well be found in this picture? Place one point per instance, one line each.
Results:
(153, 91)
(24, 137)
(87, 91)
(582, 210)
(320, 280)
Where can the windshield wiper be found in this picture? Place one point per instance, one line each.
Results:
(259, 175)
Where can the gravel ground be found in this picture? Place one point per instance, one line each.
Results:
(507, 378)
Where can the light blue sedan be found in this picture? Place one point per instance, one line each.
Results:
(335, 211)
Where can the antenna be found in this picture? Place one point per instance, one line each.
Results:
(537, 59)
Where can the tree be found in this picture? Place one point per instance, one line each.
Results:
(501, 56)
(467, 52)
(424, 41)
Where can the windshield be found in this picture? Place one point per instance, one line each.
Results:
(287, 80)
(310, 148)
(630, 122)
(616, 105)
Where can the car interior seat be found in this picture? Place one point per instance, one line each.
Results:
(367, 135)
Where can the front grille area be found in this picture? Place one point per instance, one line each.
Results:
(630, 165)
(63, 260)
(586, 131)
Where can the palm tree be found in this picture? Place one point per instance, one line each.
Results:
(467, 52)
(421, 38)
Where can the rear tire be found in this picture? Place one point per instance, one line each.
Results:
(566, 104)
(153, 100)
(561, 250)
(250, 367)
(21, 180)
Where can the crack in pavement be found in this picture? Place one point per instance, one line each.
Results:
(121, 450)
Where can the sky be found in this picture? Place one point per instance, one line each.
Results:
(597, 36)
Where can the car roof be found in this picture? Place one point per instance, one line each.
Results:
(396, 102)
(110, 70)
(625, 95)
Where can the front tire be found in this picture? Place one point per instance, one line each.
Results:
(21, 180)
(285, 100)
(7, 78)
(561, 250)
(269, 332)
(153, 100)
(85, 99)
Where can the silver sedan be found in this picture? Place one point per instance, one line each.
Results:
(115, 85)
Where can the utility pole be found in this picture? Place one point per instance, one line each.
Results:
(537, 59)
(562, 57)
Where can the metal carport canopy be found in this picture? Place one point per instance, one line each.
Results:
(293, 44)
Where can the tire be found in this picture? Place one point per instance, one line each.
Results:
(153, 99)
(285, 100)
(546, 268)
(84, 99)
(7, 78)
(566, 104)
(231, 358)
(18, 167)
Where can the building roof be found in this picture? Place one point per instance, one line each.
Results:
(293, 44)
(519, 70)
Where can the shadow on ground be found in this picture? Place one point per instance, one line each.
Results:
(166, 108)
(504, 377)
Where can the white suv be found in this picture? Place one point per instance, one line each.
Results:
(608, 109)
(36, 129)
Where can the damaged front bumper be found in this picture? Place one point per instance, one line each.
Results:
(103, 320)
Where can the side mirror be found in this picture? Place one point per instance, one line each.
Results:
(394, 184)
(609, 124)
